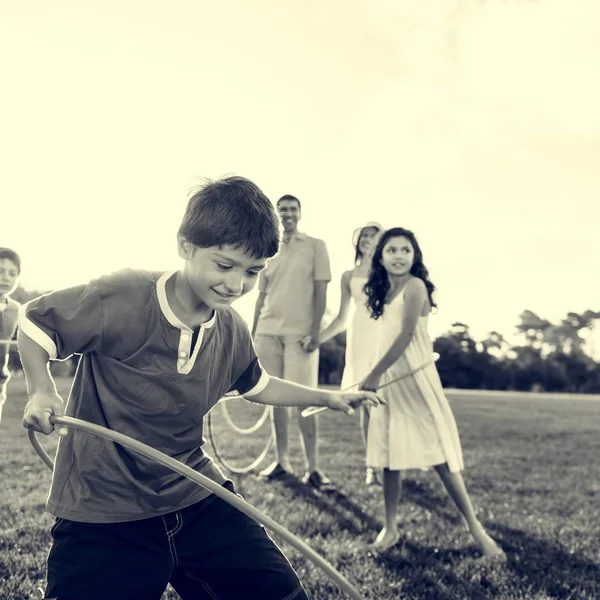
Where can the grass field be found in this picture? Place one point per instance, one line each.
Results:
(531, 466)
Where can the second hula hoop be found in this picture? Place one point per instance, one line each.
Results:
(223, 461)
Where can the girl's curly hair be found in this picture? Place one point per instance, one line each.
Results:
(378, 284)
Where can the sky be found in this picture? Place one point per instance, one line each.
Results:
(472, 123)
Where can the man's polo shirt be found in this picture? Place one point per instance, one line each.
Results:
(289, 285)
(140, 376)
(9, 315)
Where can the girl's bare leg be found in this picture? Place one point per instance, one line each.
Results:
(388, 536)
(455, 486)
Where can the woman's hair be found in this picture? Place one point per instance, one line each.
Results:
(378, 284)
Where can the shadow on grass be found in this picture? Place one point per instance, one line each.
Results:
(422, 574)
(424, 496)
(536, 567)
(347, 512)
(351, 515)
(543, 566)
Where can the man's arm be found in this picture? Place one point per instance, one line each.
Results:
(319, 304)
(260, 301)
(257, 309)
(322, 276)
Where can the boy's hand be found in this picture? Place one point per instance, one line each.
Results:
(39, 409)
(348, 401)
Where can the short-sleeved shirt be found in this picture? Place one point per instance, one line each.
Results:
(289, 283)
(9, 315)
(138, 375)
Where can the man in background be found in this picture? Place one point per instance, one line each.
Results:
(287, 321)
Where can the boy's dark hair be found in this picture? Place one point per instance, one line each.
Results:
(289, 197)
(232, 211)
(378, 284)
(11, 255)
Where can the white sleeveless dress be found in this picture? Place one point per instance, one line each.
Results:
(361, 338)
(416, 429)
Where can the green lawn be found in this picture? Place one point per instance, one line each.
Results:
(531, 467)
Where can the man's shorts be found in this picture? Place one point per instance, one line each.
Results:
(282, 356)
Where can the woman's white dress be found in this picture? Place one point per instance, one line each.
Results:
(416, 429)
(361, 338)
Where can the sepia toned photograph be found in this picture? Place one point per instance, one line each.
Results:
(300, 300)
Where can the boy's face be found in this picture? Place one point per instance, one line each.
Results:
(219, 275)
(9, 276)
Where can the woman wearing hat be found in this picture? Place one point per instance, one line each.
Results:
(361, 335)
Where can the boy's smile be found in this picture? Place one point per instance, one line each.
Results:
(216, 276)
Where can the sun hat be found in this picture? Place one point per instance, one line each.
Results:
(357, 232)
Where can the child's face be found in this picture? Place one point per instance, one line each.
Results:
(398, 256)
(366, 239)
(219, 275)
(9, 276)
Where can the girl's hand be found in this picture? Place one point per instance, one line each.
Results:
(370, 383)
(310, 343)
(348, 401)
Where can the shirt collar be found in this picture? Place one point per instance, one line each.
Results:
(161, 291)
(301, 237)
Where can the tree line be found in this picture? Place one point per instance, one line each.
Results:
(548, 357)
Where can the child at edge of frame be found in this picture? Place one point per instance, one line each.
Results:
(158, 350)
(10, 271)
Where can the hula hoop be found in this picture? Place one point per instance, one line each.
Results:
(205, 482)
(242, 430)
(227, 465)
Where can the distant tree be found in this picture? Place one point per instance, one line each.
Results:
(532, 328)
(461, 363)
(494, 344)
(524, 366)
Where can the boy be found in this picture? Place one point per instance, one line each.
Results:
(158, 351)
(10, 269)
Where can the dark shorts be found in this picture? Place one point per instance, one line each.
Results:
(209, 550)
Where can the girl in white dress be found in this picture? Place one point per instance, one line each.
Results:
(416, 428)
(360, 338)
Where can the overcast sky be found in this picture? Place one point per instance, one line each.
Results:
(475, 124)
